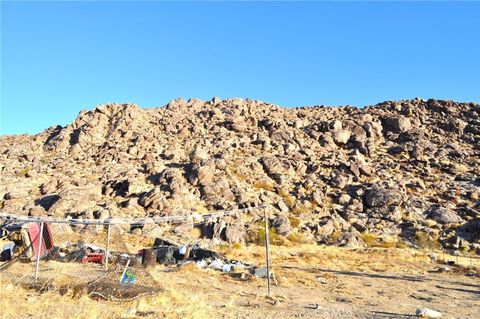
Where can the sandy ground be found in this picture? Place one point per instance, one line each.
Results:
(313, 282)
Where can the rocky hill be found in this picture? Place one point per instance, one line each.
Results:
(408, 169)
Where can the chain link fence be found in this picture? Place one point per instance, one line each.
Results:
(102, 259)
(108, 259)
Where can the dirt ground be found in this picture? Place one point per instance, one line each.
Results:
(313, 282)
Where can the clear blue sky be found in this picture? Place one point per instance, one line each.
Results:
(60, 57)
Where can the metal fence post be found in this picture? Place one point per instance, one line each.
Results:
(39, 252)
(267, 251)
(107, 247)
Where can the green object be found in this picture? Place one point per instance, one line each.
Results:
(128, 278)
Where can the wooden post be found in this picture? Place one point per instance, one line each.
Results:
(267, 251)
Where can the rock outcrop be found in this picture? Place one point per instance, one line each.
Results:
(328, 173)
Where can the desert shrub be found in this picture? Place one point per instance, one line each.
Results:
(373, 240)
(237, 245)
(23, 172)
(369, 239)
(424, 240)
(287, 198)
(262, 184)
(335, 236)
(301, 209)
(200, 207)
(294, 221)
(256, 235)
(240, 176)
(297, 237)
(328, 202)
(223, 247)
(237, 173)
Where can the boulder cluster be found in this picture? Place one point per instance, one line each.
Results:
(329, 174)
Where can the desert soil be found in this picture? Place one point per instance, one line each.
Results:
(313, 282)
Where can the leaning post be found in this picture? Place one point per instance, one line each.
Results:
(267, 252)
(39, 252)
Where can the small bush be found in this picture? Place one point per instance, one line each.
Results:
(335, 236)
(223, 247)
(257, 236)
(297, 238)
(301, 209)
(237, 245)
(264, 185)
(424, 240)
(294, 221)
(287, 198)
(369, 239)
(23, 172)
(237, 173)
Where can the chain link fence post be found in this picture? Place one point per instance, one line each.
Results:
(39, 252)
(267, 251)
(107, 246)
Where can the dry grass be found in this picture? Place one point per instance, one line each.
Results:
(425, 241)
(287, 198)
(373, 240)
(297, 237)
(23, 172)
(170, 303)
(190, 292)
(264, 184)
(335, 257)
(256, 235)
(294, 221)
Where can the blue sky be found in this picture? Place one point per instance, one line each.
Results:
(60, 57)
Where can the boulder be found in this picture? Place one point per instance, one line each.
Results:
(344, 199)
(234, 234)
(276, 166)
(382, 197)
(398, 124)
(151, 198)
(443, 215)
(341, 136)
(205, 174)
(282, 206)
(325, 227)
(282, 225)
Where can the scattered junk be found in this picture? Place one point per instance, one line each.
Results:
(127, 276)
(31, 242)
(22, 241)
(78, 252)
(168, 252)
(428, 313)
(442, 269)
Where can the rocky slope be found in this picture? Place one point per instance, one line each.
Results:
(408, 169)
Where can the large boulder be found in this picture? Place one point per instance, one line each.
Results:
(151, 198)
(341, 136)
(397, 124)
(234, 234)
(282, 225)
(381, 197)
(443, 215)
(275, 166)
(205, 174)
